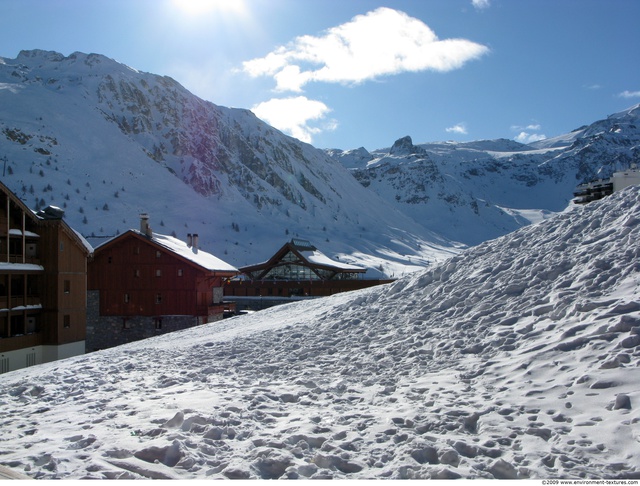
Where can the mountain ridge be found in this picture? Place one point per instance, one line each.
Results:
(475, 191)
(106, 142)
(104, 133)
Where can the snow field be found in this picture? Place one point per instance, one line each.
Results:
(515, 359)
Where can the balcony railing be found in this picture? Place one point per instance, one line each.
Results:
(19, 301)
(16, 258)
(20, 342)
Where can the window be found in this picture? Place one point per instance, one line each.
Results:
(127, 298)
(158, 323)
(136, 272)
(179, 272)
(66, 321)
(108, 259)
(32, 250)
(158, 253)
(136, 250)
(158, 298)
(125, 323)
(31, 324)
(158, 272)
(67, 286)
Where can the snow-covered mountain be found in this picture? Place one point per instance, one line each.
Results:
(514, 359)
(106, 142)
(475, 191)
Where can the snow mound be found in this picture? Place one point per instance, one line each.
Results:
(511, 360)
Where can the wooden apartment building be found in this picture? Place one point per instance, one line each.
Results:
(43, 284)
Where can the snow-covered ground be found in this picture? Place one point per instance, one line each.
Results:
(515, 359)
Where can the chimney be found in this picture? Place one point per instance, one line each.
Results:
(189, 240)
(195, 241)
(145, 229)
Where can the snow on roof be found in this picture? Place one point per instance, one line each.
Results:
(18, 232)
(22, 267)
(84, 241)
(318, 258)
(196, 255)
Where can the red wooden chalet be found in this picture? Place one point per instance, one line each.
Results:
(143, 283)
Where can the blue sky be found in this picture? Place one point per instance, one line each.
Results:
(351, 73)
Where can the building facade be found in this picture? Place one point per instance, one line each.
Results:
(142, 284)
(296, 271)
(595, 190)
(43, 284)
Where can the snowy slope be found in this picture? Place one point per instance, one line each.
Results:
(475, 191)
(515, 359)
(107, 142)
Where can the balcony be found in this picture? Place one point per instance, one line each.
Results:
(20, 342)
(19, 303)
(17, 258)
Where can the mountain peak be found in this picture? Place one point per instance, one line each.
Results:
(40, 54)
(110, 141)
(76, 62)
(404, 146)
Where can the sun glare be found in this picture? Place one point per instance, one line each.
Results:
(203, 7)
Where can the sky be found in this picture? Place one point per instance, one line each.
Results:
(363, 73)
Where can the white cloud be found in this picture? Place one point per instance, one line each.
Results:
(459, 128)
(526, 137)
(525, 134)
(534, 127)
(630, 94)
(481, 4)
(379, 43)
(293, 115)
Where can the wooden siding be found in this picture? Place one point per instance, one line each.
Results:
(65, 281)
(137, 278)
(53, 298)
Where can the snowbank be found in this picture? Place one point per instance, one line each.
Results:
(514, 359)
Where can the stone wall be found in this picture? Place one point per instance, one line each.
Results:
(108, 331)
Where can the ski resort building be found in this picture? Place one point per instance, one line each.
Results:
(297, 270)
(142, 284)
(43, 285)
(594, 190)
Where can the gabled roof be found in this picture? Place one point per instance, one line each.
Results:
(309, 255)
(179, 248)
(17, 201)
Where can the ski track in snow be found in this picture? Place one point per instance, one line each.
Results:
(515, 359)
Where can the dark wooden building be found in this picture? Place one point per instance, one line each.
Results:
(43, 284)
(297, 270)
(143, 283)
